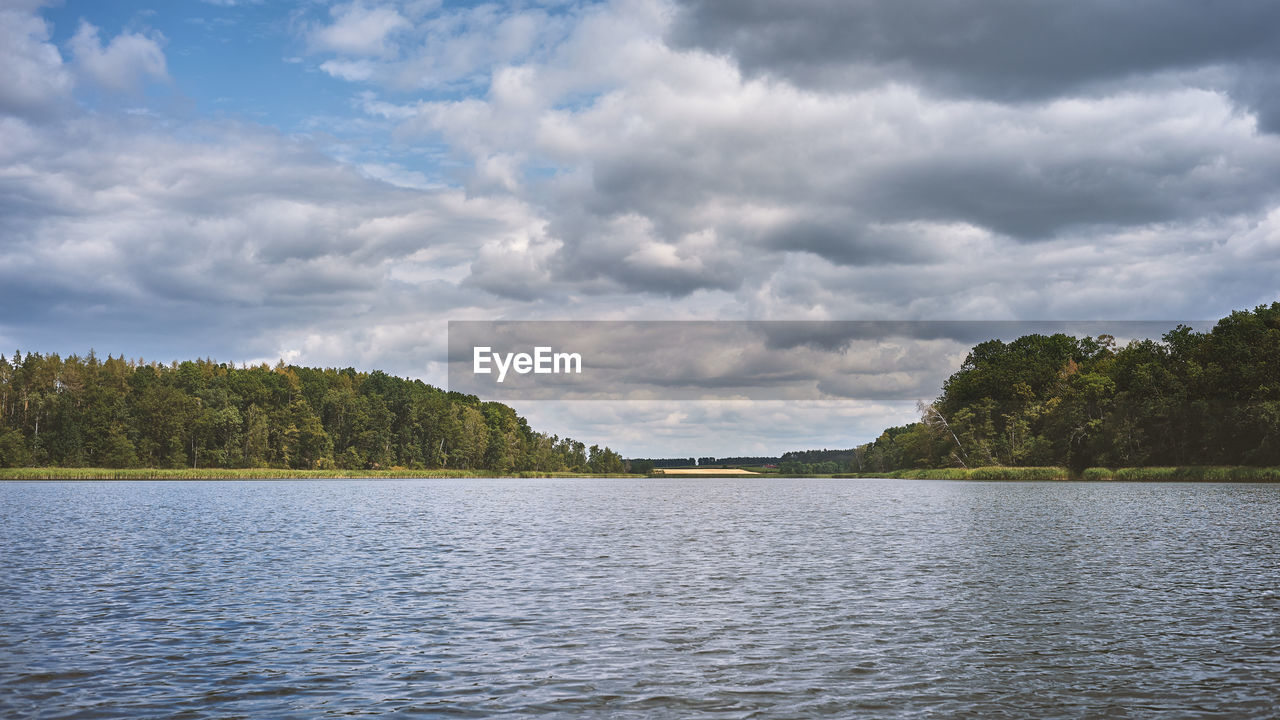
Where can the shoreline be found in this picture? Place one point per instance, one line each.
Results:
(1209, 473)
(1189, 473)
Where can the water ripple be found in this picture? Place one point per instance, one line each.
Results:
(638, 599)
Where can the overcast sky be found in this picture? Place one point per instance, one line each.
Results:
(330, 183)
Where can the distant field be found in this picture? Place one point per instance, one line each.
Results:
(702, 471)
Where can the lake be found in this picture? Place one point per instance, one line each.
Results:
(737, 598)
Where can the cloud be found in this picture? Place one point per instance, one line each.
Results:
(349, 70)
(426, 47)
(999, 49)
(668, 171)
(358, 29)
(123, 63)
(720, 428)
(628, 176)
(115, 231)
(36, 81)
(645, 159)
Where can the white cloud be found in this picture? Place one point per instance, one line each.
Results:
(35, 80)
(116, 231)
(358, 29)
(422, 46)
(720, 428)
(349, 70)
(673, 173)
(123, 63)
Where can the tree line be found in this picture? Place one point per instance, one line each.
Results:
(645, 464)
(1190, 398)
(89, 412)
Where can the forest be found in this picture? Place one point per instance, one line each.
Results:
(86, 411)
(1188, 399)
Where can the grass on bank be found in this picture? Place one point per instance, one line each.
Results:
(982, 473)
(78, 473)
(1211, 473)
(1215, 473)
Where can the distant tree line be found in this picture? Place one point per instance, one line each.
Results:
(642, 465)
(85, 411)
(1191, 398)
(746, 460)
(815, 462)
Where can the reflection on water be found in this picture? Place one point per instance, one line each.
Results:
(638, 598)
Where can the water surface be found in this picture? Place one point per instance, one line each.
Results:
(743, 598)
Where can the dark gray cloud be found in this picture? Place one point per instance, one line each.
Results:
(1037, 198)
(840, 242)
(1000, 49)
(1257, 86)
(858, 179)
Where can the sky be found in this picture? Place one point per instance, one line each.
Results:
(329, 183)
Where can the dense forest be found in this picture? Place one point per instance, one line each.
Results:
(85, 411)
(1192, 398)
